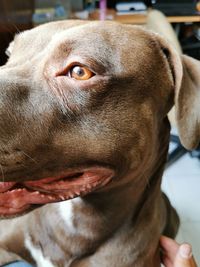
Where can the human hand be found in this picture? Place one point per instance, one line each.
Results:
(175, 255)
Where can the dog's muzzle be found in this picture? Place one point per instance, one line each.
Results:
(18, 198)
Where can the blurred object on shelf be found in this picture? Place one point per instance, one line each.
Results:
(130, 7)
(51, 10)
(43, 15)
(102, 8)
(81, 14)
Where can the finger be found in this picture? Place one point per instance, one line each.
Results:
(169, 248)
(184, 257)
(166, 261)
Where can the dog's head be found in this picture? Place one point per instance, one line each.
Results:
(82, 104)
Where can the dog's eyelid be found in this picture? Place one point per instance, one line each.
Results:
(65, 71)
(93, 64)
(84, 65)
(75, 63)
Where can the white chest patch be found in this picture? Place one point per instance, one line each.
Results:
(37, 255)
(67, 214)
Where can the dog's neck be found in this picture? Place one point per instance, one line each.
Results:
(84, 224)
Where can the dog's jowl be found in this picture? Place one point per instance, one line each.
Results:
(83, 141)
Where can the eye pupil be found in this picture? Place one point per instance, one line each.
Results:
(78, 71)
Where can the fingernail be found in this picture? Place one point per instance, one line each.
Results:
(185, 251)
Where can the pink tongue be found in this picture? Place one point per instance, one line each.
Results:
(5, 186)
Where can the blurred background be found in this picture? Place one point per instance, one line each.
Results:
(19, 15)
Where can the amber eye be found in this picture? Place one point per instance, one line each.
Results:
(80, 73)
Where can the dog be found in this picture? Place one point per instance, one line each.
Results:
(84, 138)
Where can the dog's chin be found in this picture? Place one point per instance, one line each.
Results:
(17, 199)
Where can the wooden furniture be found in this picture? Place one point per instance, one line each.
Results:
(140, 18)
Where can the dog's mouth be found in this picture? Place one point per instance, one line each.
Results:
(18, 197)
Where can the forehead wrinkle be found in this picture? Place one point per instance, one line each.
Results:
(94, 47)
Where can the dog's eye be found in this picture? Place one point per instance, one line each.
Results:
(80, 73)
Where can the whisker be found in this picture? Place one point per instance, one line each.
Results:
(14, 25)
(29, 157)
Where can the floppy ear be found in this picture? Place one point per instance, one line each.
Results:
(187, 103)
(186, 74)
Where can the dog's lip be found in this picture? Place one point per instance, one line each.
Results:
(5, 186)
(17, 198)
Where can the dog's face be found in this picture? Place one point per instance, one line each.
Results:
(80, 105)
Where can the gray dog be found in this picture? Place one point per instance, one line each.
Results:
(83, 116)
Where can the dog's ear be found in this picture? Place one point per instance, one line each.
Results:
(187, 103)
(186, 74)
(9, 49)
